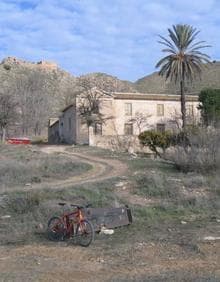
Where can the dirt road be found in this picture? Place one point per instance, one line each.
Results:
(140, 261)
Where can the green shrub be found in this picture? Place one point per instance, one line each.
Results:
(210, 106)
(155, 139)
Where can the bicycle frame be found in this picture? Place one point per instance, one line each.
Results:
(71, 220)
(71, 225)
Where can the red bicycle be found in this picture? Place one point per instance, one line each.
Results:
(71, 225)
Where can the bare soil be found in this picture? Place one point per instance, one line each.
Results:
(174, 257)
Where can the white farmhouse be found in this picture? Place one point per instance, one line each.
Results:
(125, 115)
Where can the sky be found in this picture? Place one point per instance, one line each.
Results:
(118, 37)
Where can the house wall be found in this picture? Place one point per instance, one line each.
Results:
(68, 125)
(82, 134)
(113, 135)
(53, 133)
(172, 111)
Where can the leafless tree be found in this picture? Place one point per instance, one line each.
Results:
(90, 102)
(140, 120)
(67, 89)
(31, 90)
(8, 113)
(176, 120)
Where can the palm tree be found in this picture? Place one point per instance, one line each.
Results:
(184, 61)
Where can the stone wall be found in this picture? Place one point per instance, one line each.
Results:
(115, 142)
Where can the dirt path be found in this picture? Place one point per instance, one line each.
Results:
(141, 262)
(102, 169)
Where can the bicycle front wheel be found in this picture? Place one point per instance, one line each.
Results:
(56, 229)
(85, 233)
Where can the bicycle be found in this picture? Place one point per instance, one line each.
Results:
(71, 225)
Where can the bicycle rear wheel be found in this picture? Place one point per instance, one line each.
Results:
(84, 233)
(56, 229)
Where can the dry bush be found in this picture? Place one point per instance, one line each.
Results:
(23, 204)
(24, 213)
(155, 185)
(201, 155)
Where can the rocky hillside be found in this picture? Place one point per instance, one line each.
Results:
(42, 89)
(155, 84)
(109, 83)
(63, 83)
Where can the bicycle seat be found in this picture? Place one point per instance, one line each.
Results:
(76, 206)
(81, 207)
(61, 204)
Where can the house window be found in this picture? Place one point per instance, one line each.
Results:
(70, 124)
(128, 129)
(160, 110)
(189, 110)
(161, 127)
(128, 109)
(98, 128)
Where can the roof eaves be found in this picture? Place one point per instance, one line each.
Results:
(67, 108)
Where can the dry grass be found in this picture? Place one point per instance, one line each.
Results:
(25, 164)
(203, 154)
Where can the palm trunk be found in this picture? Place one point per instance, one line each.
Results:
(183, 104)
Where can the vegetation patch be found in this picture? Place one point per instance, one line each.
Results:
(29, 210)
(21, 165)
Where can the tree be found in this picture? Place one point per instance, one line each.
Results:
(184, 60)
(140, 120)
(210, 106)
(89, 107)
(31, 90)
(155, 139)
(7, 113)
(90, 102)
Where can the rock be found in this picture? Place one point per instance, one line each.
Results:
(183, 222)
(5, 216)
(211, 238)
(119, 184)
(39, 227)
(124, 177)
(134, 156)
(100, 260)
(106, 231)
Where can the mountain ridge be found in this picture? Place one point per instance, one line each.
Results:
(151, 83)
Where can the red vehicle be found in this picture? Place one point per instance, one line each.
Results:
(19, 140)
(71, 225)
